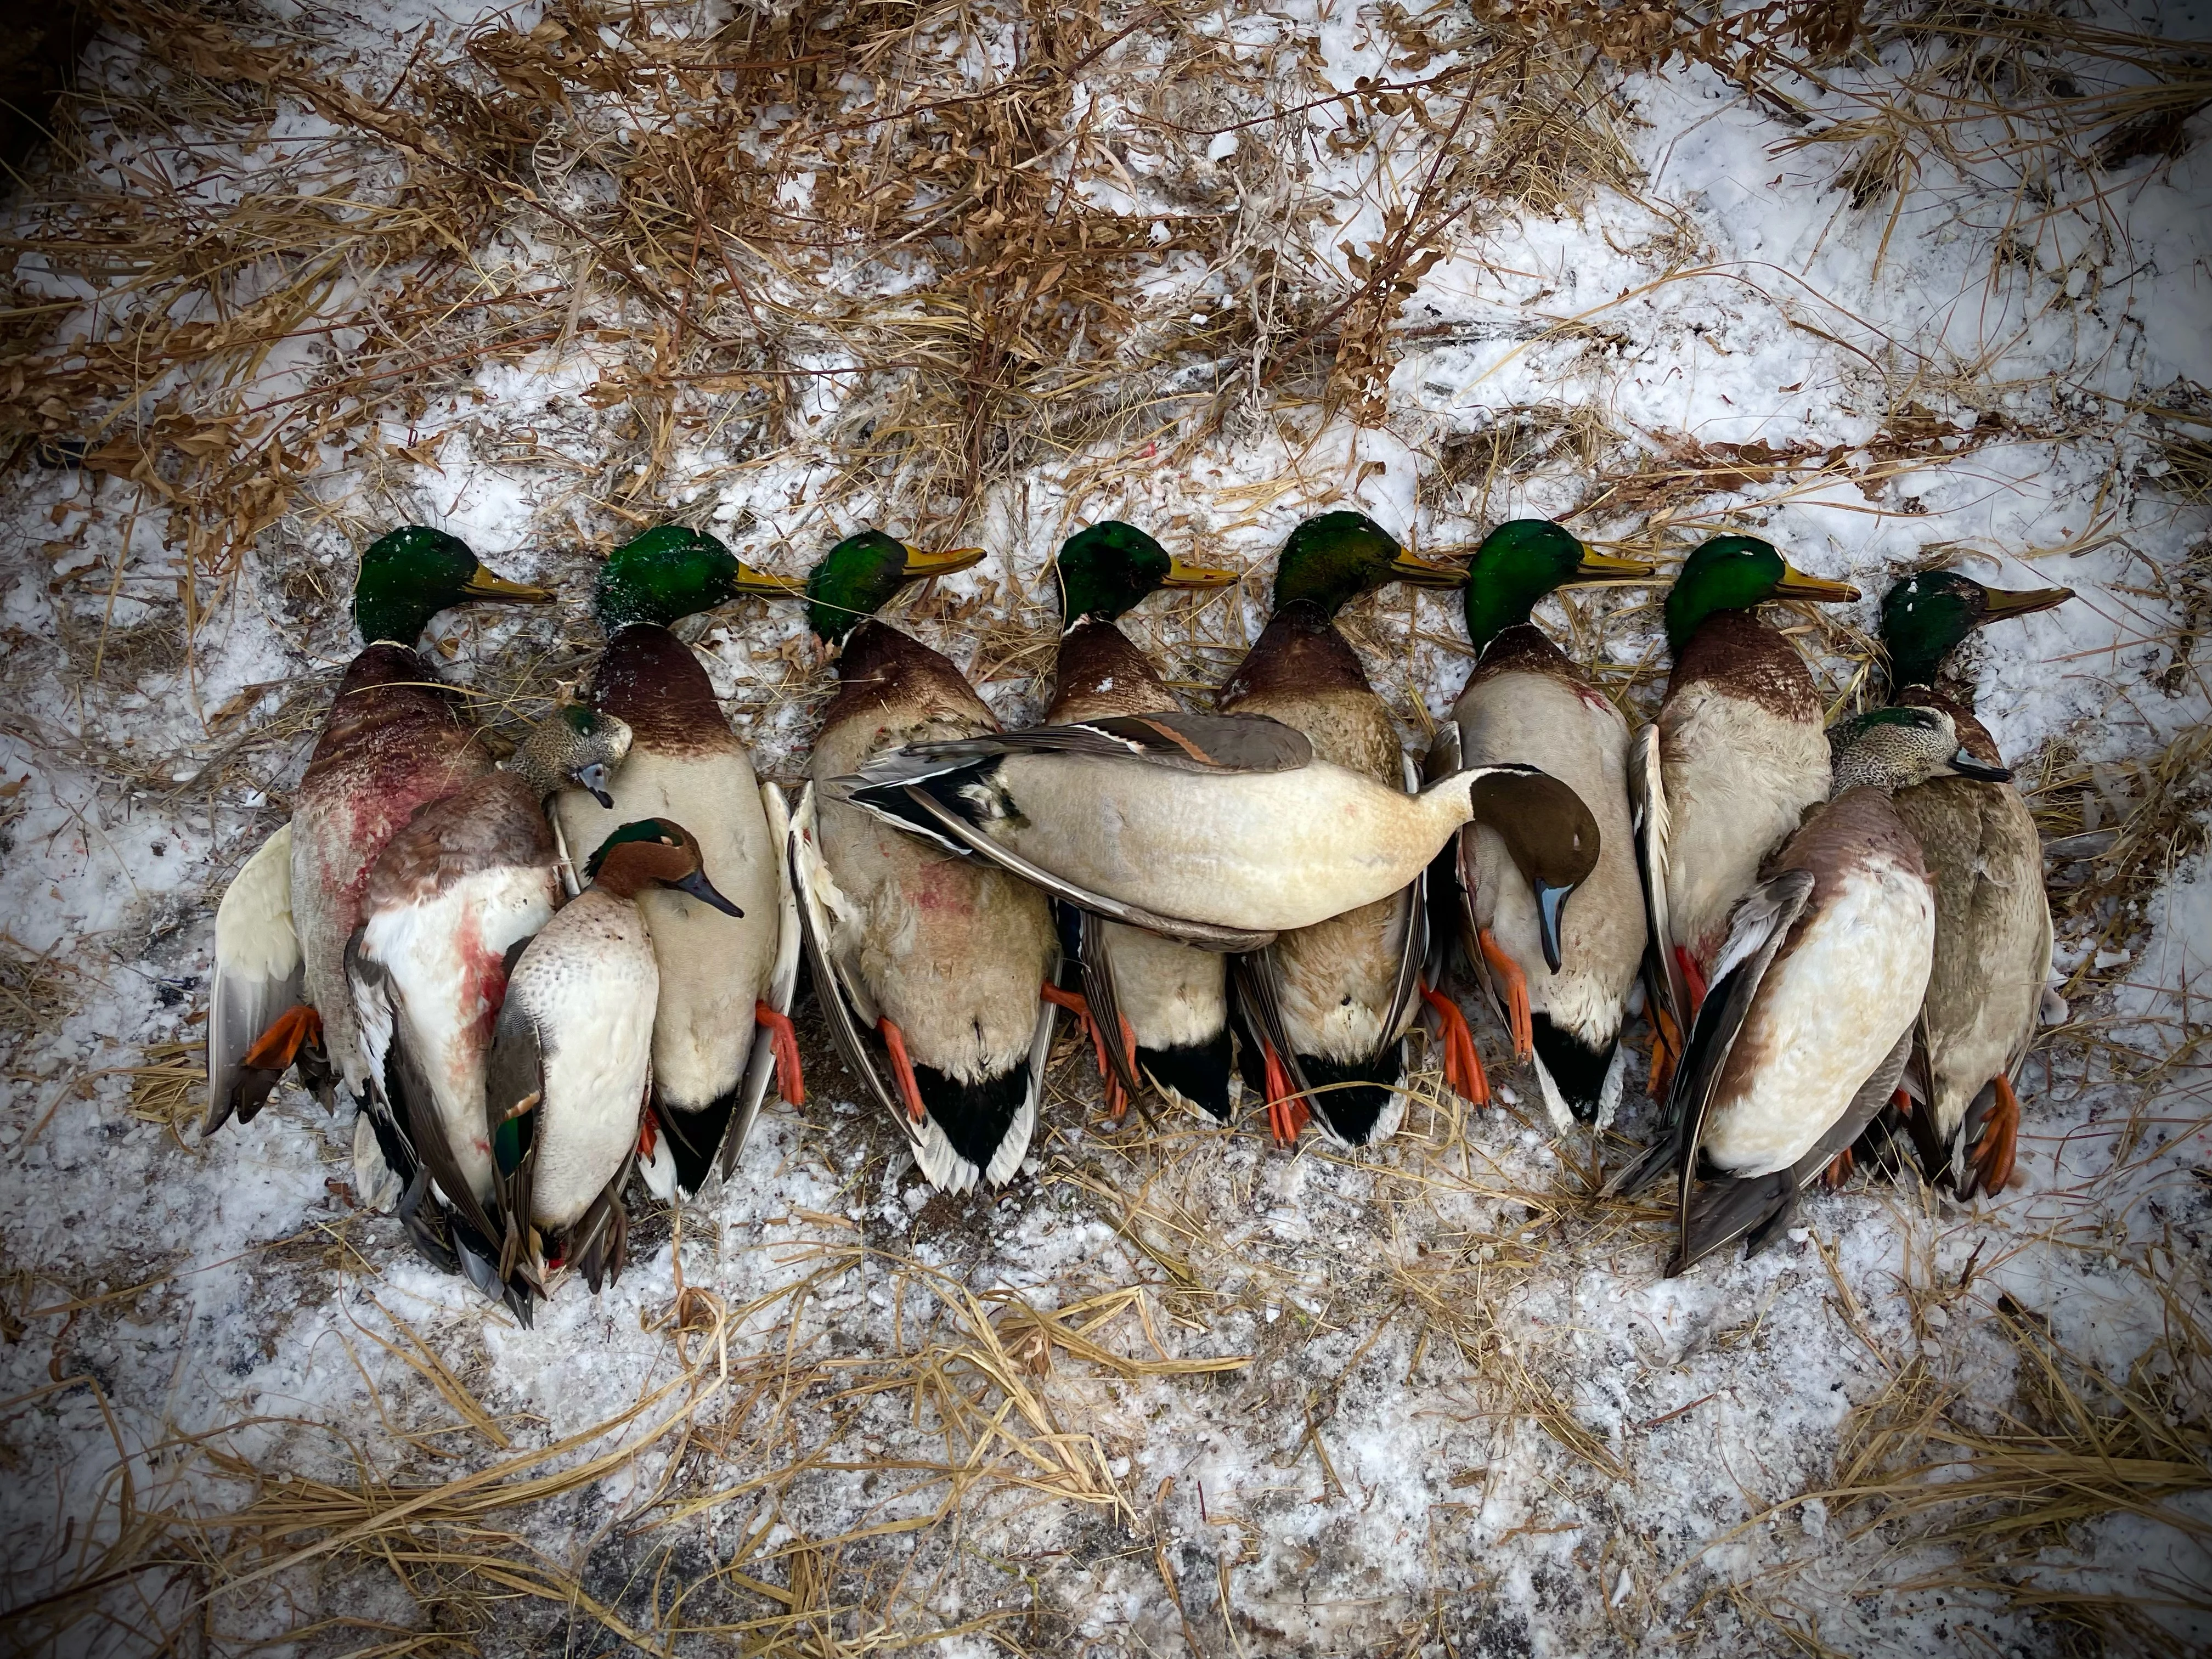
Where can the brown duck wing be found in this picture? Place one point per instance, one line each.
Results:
(1186, 743)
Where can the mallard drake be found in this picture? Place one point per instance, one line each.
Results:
(722, 1028)
(1815, 993)
(1738, 754)
(1560, 985)
(571, 1061)
(1987, 992)
(447, 902)
(1166, 1001)
(1221, 829)
(393, 741)
(1330, 1003)
(944, 960)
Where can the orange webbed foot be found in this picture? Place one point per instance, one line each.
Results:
(1515, 985)
(1286, 1113)
(1463, 1072)
(902, 1068)
(1117, 1097)
(783, 1036)
(276, 1049)
(1998, 1150)
(1839, 1170)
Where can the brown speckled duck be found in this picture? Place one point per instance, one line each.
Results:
(1988, 990)
(1816, 988)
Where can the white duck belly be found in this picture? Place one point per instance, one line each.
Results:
(1830, 1009)
(590, 983)
(1259, 850)
(952, 952)
(446, 957)
(1173, 995)
(712, 966)
(1738, 779)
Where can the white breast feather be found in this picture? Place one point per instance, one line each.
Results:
(1825, 1018)
(1738, 780)
(712, 966)
(591, 985)
(436, 952)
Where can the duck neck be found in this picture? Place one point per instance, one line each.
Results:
(1493, 607)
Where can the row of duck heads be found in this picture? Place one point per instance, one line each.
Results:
(1266, 896)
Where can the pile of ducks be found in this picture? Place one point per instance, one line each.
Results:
(535, 979)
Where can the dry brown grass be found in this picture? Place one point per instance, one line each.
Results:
(648, 164)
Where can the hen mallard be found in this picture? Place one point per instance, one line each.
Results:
(1331, 1002)
(1988, 990)
(942, 959)
(1560, 984)
(1165, 1003)
(571, 1061)
(449, 900)
(1738, 754)
(723, 1026)
(1815, 991)
(393, 741)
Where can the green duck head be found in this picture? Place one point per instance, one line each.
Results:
(671, 573)
(859, 575)
(1925, 617)
(1892, 749)
(1738, 573)
(411, 575)
(1330, 561)
(1524, 559)
(1111, 567)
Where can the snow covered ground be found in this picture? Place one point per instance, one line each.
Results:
(1173, 1390)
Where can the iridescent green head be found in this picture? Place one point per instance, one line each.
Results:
(411, 575)
(671, 573)
(1738, 572)
(1330, 561)
(859, 575)
(1111, 567)
(1925, 617)
(1522, 561)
